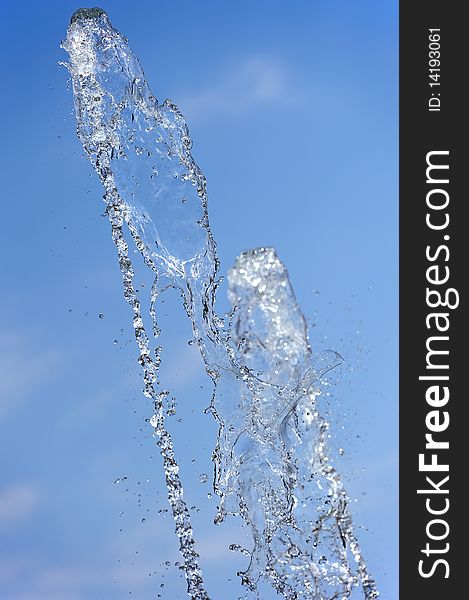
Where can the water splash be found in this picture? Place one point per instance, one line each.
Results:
(272, 468)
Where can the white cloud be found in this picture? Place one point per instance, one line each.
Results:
(255, 83)
(17, 503)
(29, 579)
(32, 578)
(21, 369)
(183, 366)
(213, 547)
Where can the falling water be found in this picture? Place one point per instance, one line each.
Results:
(271, 463)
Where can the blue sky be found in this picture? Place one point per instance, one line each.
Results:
(293, 113)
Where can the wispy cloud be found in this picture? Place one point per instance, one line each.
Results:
(184, 366)
(256, 82)
(21, 369)
(213, 546)
(17, 503)
(28, 579)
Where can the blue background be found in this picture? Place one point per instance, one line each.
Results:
(293, 112)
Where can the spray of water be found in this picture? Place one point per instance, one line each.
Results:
(271, 463)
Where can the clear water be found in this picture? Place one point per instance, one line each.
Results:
(271, 463)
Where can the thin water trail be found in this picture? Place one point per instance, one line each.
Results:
(271, 462)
